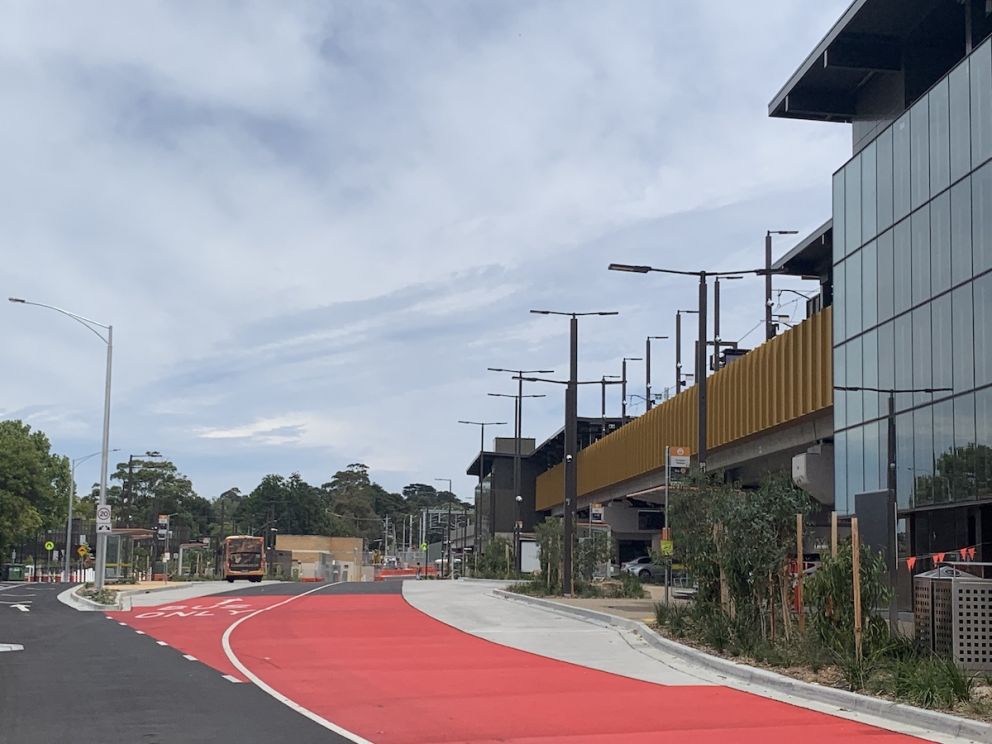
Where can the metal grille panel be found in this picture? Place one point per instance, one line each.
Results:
(921, 611)
(972, 636)
(943, 617)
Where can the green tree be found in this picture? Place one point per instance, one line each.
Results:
(290, 505)
(34, 483)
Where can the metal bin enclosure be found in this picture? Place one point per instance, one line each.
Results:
(953, 616)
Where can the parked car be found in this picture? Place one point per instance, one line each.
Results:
(644, 569)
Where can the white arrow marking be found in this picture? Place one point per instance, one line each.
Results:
(11, 647)
(22, 608)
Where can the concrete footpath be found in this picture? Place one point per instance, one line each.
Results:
(474, 608)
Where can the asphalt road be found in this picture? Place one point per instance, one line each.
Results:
(81, 677)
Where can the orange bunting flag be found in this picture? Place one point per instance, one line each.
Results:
(910, 562)
(971, 553)
(938, 557)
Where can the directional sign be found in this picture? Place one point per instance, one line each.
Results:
(49, 545)
(678, 457)
(103, 518)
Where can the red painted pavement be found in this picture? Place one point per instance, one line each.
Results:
(376, 666)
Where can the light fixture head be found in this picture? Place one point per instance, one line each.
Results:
(629, 268)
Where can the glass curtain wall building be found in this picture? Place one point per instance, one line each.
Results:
(912, 216)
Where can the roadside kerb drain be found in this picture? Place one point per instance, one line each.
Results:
(896, 712)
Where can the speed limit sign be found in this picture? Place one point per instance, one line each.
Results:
(103, 518)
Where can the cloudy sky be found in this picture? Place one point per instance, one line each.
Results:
(313, 225)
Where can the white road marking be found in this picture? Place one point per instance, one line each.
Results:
(22, 608)
(161, 643)
(125, 624)
(11, 647)
(140, 632)
(189, 658)
(229, 678)
(226, 643)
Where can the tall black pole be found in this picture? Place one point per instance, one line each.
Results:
(623, 394)
(604, 405)
(769, 326)
(701, 373)
(451, 566)
(478, 506)
(647, 374)
(716, 324)
(517, 454)
(571, 444)
(893, 558)
(678, 352)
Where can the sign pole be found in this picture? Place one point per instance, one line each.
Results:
(668, 564)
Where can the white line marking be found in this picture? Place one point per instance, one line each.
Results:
(125, 624)
(189, 658)
(11, 647)
(229, 678)
(140, 632)
(161, 643)
(226, 643)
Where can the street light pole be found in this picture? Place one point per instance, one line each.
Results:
(701, 374)
(604, 384)
(571, 444)
(72, 494)
(647, 369)
(92, 325)
(716, 320)
(478, 504)
(679, 377)
(769, 325)
(451, 566)
(623, 389)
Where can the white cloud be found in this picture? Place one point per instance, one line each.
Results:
(344, 211)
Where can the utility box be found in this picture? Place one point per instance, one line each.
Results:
(13, 572)
(951, 608)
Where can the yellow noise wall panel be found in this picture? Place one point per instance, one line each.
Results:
(783, 379)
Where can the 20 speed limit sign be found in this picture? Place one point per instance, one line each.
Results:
(103, 518)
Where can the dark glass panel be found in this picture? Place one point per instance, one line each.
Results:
(872, 457)
(940, 155)
(904, 460)
(869, 198)
(904, 360)
(960, 109)
(920, 150)
(839, 222)
(943, 356)
(962, 465)
(902, 263)
(855, 407)
(983, 330)
(840, 473)
(983, 439)
(961, 264)
(900, 167)
(981, 104)
(840, 380)
(869, 366)
(852, 196)
(920, 222)
(853, 291)
(922, 354)
(963, 367)
(869, 285)
(943, 451)
(886, 290)
(883, 180)
(855, 462)
(940, 243)
(923, 456)
(886, 357)
(981, 203)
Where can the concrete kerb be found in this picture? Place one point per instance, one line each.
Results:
(72, 599)
(897, 712)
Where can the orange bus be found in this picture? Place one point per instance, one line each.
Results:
(244, 558)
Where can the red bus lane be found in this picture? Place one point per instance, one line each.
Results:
(195, 626)
(385, 671)
(379, 668)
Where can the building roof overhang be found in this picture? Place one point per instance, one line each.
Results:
(811, 256)
(867, 40)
